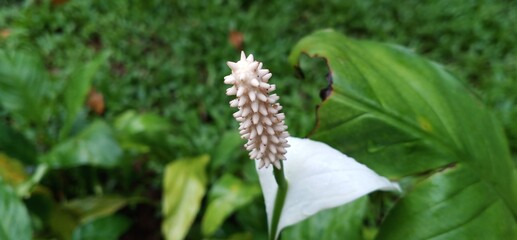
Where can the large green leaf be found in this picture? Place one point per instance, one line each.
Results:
(400, 115)
(453, 204)
(95, 145)
(183, 189)
(15, 222)
(25, 86)
(227, 195)
(344, 222)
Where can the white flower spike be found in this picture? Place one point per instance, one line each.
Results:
(261, 122)
(319, 177)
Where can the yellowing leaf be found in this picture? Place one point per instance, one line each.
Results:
(183, 189)
(11, 170)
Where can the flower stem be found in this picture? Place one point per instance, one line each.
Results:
(279, 200)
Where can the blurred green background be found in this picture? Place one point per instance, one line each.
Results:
(157, 81)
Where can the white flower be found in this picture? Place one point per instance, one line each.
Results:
(261, 122)
(319, 177)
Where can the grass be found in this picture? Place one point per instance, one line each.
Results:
(169, 57)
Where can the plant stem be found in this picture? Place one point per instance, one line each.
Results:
(279, 200)
(25, 188)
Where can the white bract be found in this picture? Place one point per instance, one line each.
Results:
(319, 177)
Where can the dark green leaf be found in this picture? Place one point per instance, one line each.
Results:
(183, 189)
(25, 86)
(345, 222)
(77, 87)
(15, 145)
(14, 221)
(106, 228)
(227, 149)
(453, 204)
(227, 195)
(95, 145)
(400, 115)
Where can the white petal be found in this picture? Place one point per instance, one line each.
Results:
(319, 177)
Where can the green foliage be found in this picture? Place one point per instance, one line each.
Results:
(107, 228)
(227, 195)
(95, 145)
(159, 67)
(345, 222)
(80, 217)
(24, 85)
(184, 188)
(16, 145)
(76, 89)
(394, 104)
(15, 221)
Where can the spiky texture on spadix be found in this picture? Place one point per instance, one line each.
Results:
(261, 122)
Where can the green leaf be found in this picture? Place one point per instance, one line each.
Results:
(183, 189)
(15, 222)
(106, 228)
(227, 149)
(65, 219)
(400, 115)
(15, 145)
(142, 132)
(63, 222)
(95, 145)
(25, 86)
(453, 204)
(345, 222)
(227, 195)
(90, 208)
(77, 87)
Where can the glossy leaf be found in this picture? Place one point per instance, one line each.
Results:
(319, 177)
(344, 222)
(106, 228)
(227, 195)
(400, 115)
(453, 204)
(24, 86)
(15, 222)
(183, 189)
(95, 145)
